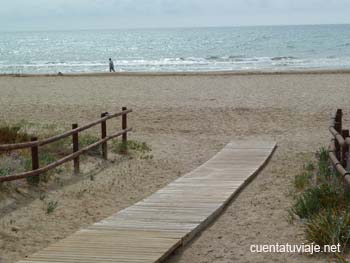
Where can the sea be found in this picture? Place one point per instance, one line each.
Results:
(276, 48)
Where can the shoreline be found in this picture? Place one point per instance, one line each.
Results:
(186, 73)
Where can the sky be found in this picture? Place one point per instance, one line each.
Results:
(107, 14)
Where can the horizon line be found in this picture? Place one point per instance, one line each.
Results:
(169, 27)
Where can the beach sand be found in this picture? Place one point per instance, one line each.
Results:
(186, 119)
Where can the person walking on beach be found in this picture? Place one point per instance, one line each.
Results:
(111, 65)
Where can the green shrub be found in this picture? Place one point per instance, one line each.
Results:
(324, 206)
(302, 181)
(330, 227)
(5, 171)
(33, 180)
(313, 200)
(58, 148)
(309, 166)
(45, 158)
(12, 134)
(51, 206)
(140, 147)
(307, 204)
(322, 155)
(324, 168)
(86, 140)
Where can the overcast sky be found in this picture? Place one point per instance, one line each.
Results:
(96, 14)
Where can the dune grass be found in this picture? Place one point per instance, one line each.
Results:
(141, 149)
(18, 161)
(322, 203)
(13, 133)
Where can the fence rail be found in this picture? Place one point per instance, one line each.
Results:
(339, 147)
(35, 145)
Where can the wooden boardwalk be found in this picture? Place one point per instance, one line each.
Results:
(152, 228)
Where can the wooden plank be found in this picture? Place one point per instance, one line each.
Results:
(151, 229)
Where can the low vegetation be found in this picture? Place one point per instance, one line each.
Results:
(330, 226)
(86, 140)
(302, 181)
(18, 161)
(12, 133)
(141, 149)
(51, 206)
(322, 204)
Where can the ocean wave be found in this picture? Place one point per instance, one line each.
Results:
(236, 56)
(190, 62)
(232, 58)
(213, 58)
(241, 58)
(283, 58)
(220, 63)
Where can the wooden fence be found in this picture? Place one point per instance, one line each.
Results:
(35, 145)
(339, 146)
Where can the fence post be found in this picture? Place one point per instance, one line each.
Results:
(75, 139)
(339, 120)
(345, 160)
(125, 135)
(104, 135)
(338, 127)
(345, 150)
(35, 160)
